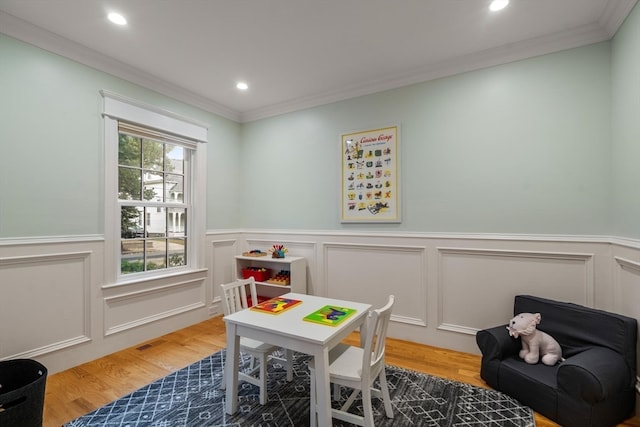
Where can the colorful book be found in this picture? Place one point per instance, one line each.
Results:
(330, 315)
(276, 305)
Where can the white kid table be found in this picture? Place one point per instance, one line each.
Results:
(288, 330)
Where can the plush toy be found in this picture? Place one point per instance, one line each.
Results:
(535, 344)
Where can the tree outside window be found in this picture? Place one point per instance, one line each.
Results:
(151, 196)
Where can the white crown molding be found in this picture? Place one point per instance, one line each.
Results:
(39, 37)
(612, 18)
(615, 12)
(581, 36)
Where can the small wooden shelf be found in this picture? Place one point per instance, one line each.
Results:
(296, 266)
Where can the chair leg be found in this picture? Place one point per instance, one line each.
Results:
(289, 356)
(366, 407)
(384, 388)
(313, 417)
(223, 384)
(263, 379)
(336, 391)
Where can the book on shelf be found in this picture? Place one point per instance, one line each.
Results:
(276, 305)
(329, 315)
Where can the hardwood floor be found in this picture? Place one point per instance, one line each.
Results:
(74, 392)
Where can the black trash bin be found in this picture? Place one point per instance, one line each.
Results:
(22, 383)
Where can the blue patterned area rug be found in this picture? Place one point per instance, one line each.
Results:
(191, 397)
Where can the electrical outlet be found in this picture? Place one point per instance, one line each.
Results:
(213, 311)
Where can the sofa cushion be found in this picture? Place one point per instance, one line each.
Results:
(533, 385)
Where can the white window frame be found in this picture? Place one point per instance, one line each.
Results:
(118, 108)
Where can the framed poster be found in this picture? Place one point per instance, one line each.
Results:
(370, 176)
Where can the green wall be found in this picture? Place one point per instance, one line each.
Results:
(52, 154)
(626, 127)
(545, 145)
(517, 148)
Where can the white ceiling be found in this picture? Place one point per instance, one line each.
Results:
(300, 53)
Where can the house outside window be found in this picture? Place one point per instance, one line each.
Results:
(152, 169)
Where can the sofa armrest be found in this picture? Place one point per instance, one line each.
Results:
(495, 345)
(595, 374)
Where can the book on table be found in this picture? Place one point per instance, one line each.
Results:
(276, 305)
(330, 315)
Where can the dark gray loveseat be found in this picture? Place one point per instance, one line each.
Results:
(594, 386)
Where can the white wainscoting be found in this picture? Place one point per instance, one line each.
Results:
(131, 308)
(373, 272)
(55, 305)
(627, 286)
(44, 303)
(476, 286)
(448, 287)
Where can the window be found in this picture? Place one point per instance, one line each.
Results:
(152, 169)
(151, 192)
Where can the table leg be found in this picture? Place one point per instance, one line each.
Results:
(231, 369)
(363, 332)
(323, 388)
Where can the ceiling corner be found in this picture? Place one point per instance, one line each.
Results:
(615, 12)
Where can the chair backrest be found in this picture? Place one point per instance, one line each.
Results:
(234, 295)
(376, 336)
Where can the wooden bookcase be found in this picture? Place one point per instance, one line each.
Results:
(296, 266)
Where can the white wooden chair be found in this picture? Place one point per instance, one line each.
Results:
(234, 297)
(357, 368)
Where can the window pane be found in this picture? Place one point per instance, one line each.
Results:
(129, 181)
(157, 222)
(132, 256)
(153, 186)
(174, 190)
(152, 155)
(156, 254)
(129, 153)
(177, 222)
(131, 225)
(174, 161)
(177, 252)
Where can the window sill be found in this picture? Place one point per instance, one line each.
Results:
(192, 274)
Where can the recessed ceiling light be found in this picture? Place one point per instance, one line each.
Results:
(116, 18)
(242, 86)
(498, 5)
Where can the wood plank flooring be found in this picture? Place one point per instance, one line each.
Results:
(74, 392)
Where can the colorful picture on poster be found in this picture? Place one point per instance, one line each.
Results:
(370, 171)
(329, 315)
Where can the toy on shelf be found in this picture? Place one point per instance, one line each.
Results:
(259, 274)
(255, 253)
(282, 278)
(278, 251)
